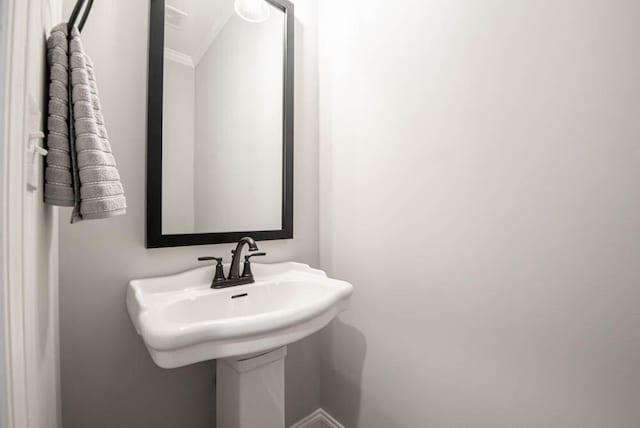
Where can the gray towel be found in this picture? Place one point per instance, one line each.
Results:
(101, 193)
(58, 188)
(94, 179)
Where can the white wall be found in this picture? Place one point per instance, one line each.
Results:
(479, 186)
(177, 147)
(239, 128)
(108, 377)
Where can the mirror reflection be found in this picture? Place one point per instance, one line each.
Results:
(222, 148)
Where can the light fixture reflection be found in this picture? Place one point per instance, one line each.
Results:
(252, 10)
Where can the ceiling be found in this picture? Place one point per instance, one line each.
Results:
(199, 21)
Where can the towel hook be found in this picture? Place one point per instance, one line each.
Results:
(76, 11)
(36, 148)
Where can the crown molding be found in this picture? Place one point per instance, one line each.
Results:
(178, 57)
(318, 416)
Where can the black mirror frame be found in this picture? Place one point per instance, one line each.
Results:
(154, 236)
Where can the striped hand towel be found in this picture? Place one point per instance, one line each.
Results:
(101, 193)
(95, 181)
(58, 189)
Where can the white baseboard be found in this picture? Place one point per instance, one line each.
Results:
(319, 418)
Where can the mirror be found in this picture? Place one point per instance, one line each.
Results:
(220, 121)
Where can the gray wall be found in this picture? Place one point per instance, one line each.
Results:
(177, 147)
(108, 379)
(239, 83)
(480, 188)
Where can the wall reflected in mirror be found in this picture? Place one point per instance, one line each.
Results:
(222, 129)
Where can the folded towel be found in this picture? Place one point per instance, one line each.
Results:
(101, 193)
(58, 188)
(91, 173)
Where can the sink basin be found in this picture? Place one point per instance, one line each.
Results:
(183, 321)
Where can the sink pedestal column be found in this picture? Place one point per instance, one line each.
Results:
(250, 390)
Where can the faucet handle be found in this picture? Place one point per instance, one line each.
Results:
(248, 256)
(219, 275)
(206, 258)
(246, 269)
(233, 252)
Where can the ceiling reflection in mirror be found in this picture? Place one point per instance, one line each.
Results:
(222, 122)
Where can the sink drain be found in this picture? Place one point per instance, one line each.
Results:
(239, 295)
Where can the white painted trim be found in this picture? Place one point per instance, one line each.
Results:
(21, 402)
(4, 329)
(12, 212)
(319, 415)
(178, 57)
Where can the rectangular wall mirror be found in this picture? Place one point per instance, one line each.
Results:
(220, 121)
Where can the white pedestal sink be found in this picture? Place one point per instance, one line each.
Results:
(246, 328)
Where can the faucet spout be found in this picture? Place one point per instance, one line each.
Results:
(234, 270)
